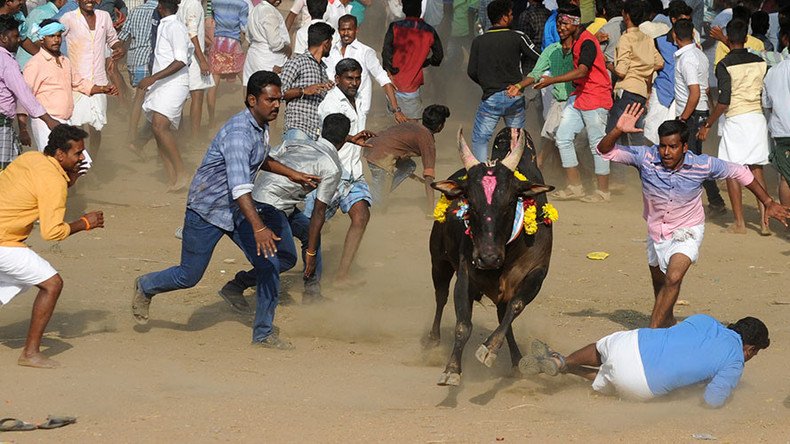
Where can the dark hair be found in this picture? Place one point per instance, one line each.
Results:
(784, 33)
(347, 18)
(736, 31)
(613, 8)
(258, 82)
(318, 33)
(569, 9)
(753, 332)
(784, 17)
(46, 22)
(170, 5)
(671, 127)
(684, 30)
(8, 23)
(678, 8)
(656, 7)
(434, 116)
(316, 8)
(760, 23)
(61, 137)
(347, 65)
(741, 13)
(335, 128)
(498, 9)
(637, 10)
(412, 8)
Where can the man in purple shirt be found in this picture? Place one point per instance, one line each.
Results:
(672, 178)
(13, 91)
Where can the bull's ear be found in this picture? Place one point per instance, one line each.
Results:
(449, 188)
(529, 189)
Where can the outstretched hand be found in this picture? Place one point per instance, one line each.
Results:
(627, 122)
(777, 211)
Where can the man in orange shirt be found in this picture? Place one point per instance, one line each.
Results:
(50, 76)
(35, 186)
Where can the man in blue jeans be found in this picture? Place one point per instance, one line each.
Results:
(495, 63)
(220, 200)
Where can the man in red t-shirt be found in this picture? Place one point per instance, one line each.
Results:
(409, 45)
(587, 107)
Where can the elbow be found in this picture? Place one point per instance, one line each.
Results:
(56, 233)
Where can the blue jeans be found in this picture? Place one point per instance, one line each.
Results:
(621, 102)
(296, 134)
(571, 123)
(197, 245)
(384, 182)
(497, 106)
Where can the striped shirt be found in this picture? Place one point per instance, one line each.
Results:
(228, 169)
(673, 198)
(137, 31)
(300, 71)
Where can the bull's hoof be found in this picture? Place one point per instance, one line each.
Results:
(486, 356)
(529, 365)
(448, 378)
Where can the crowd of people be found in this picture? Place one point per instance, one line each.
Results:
(642, 80)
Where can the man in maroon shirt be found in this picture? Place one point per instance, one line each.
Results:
(409, 45)
(588, 106)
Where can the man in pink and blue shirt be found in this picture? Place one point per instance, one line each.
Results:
(672, 178)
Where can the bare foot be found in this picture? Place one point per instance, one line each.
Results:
(180, 183)
(137, 151)
(766, 231)
(735, 229)
(37, 360)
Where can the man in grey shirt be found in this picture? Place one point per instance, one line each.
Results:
(612, 30)
(278, 193)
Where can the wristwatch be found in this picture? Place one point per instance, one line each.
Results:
(397, 110)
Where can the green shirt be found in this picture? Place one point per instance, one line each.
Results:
(554, 59)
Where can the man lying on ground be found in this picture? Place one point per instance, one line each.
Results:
(646, 363)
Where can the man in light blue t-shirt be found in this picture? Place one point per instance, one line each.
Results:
(646, 363)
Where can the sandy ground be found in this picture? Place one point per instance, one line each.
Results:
(358, 373)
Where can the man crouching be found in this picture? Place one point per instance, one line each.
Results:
(35, 188)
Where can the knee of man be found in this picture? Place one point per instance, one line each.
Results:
(53, 285)
(361, 217)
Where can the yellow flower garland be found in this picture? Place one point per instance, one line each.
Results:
(550, 213)
(520, 176)
(440, 211)
(531, 219)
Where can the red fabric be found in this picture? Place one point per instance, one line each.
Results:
(411, 40)
(594, 91)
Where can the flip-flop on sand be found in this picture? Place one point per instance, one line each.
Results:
(52, 422)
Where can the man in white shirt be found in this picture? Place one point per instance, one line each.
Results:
(776, 97)
(691, 97)
(317, 9)
(336, 9)
(270, 44)
(350, 48)
(191, 14)
(353, 196)
(168, 88)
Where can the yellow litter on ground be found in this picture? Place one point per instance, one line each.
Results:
(597, 255)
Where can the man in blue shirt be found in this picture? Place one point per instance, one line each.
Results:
(647, 363)
(220, 204)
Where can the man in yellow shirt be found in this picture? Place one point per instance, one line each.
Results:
(35, 188)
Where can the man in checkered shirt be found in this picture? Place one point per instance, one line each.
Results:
(305, 84)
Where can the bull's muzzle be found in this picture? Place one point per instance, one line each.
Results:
(488, 261)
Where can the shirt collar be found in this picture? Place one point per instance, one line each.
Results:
(60, 169)
(310, 56)
(326, 144)
(4, 51)
(47, 56)
(687, 159)
(684, 50)
(170, 17)
(254, 122)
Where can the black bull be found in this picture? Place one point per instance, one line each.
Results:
(477, 252)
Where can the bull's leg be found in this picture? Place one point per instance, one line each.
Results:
(463, 327)
(526, 292)
(515, 353)
(442, 273)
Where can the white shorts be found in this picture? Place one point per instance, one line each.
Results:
(90, 109)
(685, 241)
(168, 100)
(621, 369)
(20, 269)
(553, 118)
(744, 139)
(656, 115)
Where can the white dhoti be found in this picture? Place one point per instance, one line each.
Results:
(41, 137)
(20, 269)
(656, 115)
(167, 99)
(744, 139)
(621, 368)
(553, 118)
(260, 59)
(91, 110)
(198, 81)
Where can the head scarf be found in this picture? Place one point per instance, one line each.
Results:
(569, 19)
(37, 33)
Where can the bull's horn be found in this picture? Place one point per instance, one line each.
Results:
(469, 160)
(516, 150)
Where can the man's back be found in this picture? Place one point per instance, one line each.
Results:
(318, 158)
(740, 77)
(636, 59)
(496, 57)
(406, 48)
(695, 350)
